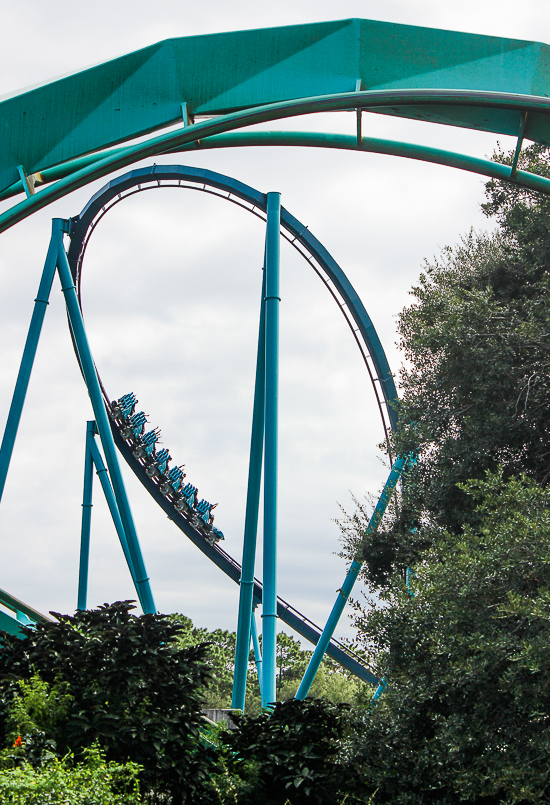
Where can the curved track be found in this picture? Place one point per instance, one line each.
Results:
(508, 108)
(341, 290)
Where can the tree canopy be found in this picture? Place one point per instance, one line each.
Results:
(475, 388)
(465, 652)
(461, 566)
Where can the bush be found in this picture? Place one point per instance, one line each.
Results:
(117, 679)
(296, 753)
(93, 782)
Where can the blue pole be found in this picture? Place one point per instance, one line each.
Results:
(256, 647)
(29, 353)
(103, 476)
(246, 591)
(86, 520)
(272, 299)
(94, 390)
(379, 691)
(347, 586)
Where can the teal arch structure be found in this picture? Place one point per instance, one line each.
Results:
(64, 131)
(207, 91)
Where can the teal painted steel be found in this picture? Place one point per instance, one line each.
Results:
(218, 74)
(349, 581)
(256, 648)
(82, 225)
(314, 252)
(245, 621)
(103, 476)
(10, 625)
(249, 77)
(272, 300)
(27, 361)
(379, 691)
(87, 493)
(94, 390)
(312, 139)
(16, 606)
(508, 108)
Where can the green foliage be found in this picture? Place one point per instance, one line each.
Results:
(332, 681)
(92, 782)
(117, 679)
(36, 721)
(134, 686)
(38, 707)
(220, 659)
(465, 716)
(476, 387)
(295, 754)
(464, 645)
(478, 393)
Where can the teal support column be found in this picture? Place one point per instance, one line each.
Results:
(272, 300)
(94, 390)
(86, 520)
(245, 618)
(347, 586)
(256, 647)
(103, 476)
(29, 353)
(379, 691)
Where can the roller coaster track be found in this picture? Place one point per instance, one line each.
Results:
(334, 279)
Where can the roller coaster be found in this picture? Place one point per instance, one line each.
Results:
(167, 486)
(68, 133)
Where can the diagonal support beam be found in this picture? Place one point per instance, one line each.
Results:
(349, 581)
(94, 459)
(29, 353)
(94, 390)
(103, 476)
(521, 134)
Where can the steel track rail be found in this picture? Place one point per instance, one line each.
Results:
(511, 107)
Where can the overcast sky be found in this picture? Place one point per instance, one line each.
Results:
(171, 300)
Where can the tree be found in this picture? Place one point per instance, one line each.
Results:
(331, 682)
(219, 657)
(466, 654)
(476, 387)
(462, 561)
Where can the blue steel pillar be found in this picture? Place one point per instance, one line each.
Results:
(94, 458)
(103, 476)
(256, 647)
(94, 390)
(29, 353)
(347, 586)
(86, 519)
(246, 591)
(272, 299)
